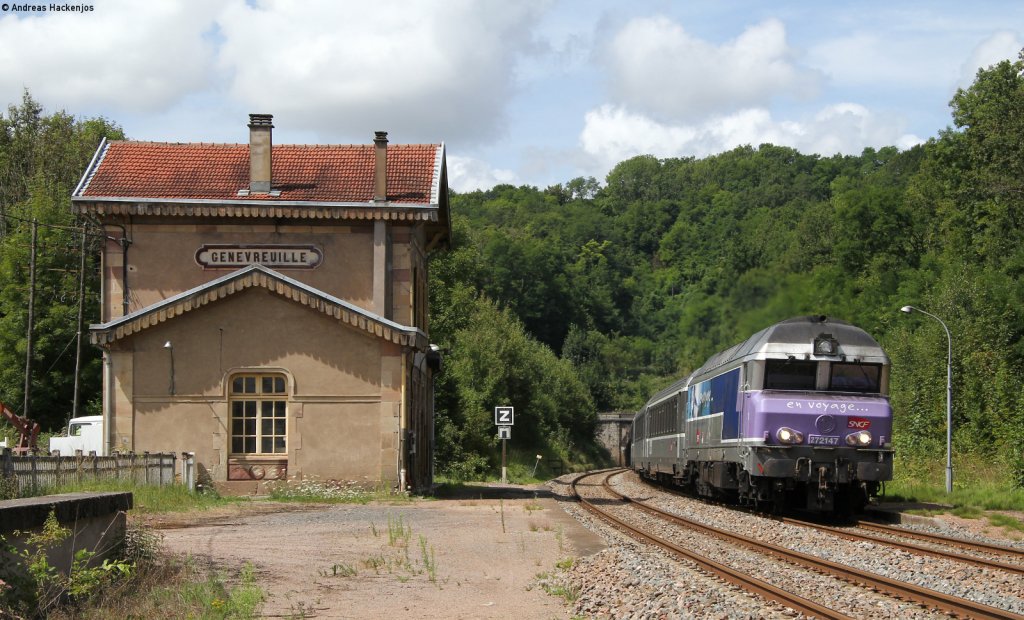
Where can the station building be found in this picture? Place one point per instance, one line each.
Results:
(265, 306)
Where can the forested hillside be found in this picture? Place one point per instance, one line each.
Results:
(583, 297)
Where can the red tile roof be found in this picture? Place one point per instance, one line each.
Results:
(316, 173)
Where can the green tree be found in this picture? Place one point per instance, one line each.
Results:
(492, 361)
(42, 158)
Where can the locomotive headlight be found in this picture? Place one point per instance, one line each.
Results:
(859, 439)
(825, 344)
(789, 436)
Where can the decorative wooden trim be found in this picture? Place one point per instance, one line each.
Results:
(392, 212)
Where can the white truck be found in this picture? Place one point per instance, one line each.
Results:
(85, 434)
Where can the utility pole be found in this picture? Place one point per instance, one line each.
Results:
(81, 317)
(25, 410)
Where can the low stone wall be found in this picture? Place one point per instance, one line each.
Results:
(96, 522)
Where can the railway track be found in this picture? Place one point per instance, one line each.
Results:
(974, 545)
(957, 544)
(892, 587)
(954, 555)
(749, 583)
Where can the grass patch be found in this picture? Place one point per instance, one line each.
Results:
(977, 483)
(979, 487)
(429, 563)
(340, 569)
(555, 586)
(967, 512)
(1006, 521)
(150, 498)
(173, 589)
(395, 558)
(398, 532)
(981, 496)
(445, 487)
(213, 598)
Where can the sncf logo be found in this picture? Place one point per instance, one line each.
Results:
(858, 423)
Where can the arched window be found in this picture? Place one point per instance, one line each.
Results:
(259, 422)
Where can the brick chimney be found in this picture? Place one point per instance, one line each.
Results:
(380, 171)
(260, 128)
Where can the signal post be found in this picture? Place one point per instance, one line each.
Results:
(504, 417)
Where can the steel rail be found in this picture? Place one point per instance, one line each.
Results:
(901, 589)
(749, 583)
(918, 549)
(995, 549)
(945, 540)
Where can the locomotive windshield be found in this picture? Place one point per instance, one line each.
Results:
(790, 375)
(855, 377)
(803, 374)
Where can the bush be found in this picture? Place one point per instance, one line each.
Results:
(33, 586)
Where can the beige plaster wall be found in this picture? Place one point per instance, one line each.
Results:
(330, 449)
(408, 262)
(344, 386)
(161, 258)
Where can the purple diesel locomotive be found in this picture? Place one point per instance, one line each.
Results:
(796, 416)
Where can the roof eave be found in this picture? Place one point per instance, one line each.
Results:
(94, 165)
(256, 203)
(441, 232)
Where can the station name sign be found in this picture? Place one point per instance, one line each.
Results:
(277, 256)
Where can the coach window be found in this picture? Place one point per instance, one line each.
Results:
(258, 414)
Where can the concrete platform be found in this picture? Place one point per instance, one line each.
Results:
(896, 512)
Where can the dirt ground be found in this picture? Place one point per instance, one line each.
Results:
(468, 557)
(474, 556)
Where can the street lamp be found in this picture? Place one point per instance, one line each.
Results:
(949, 395)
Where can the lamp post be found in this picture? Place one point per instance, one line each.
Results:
(949, 395)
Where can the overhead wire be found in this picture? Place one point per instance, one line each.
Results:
(79, 229)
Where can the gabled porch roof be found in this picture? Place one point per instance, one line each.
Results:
(258, 276)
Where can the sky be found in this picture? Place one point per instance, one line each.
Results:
(520, 91)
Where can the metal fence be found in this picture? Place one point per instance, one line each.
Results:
(46, 472)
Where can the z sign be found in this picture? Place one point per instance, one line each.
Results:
(503, 416)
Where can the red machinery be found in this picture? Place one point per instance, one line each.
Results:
(28, 430)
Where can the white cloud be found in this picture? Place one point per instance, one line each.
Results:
(612, 134)
(871, 59)
(917, 59)
(659, 69)
(1004, 45)
(424, 71)
(466, 174)
(123, 55)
